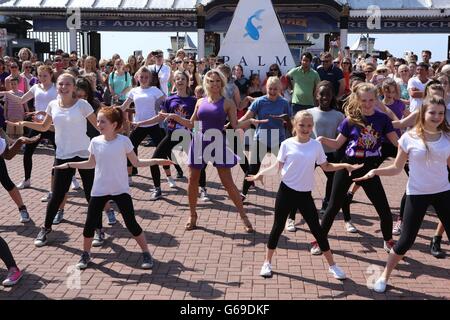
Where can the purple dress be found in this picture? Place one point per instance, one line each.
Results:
(209, 142)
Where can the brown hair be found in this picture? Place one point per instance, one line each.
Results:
(298, 116)
(420, 120)
(113, 114)
(45, 68)
(352, 106)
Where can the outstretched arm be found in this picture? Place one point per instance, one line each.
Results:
(147, 162)
(391, 170)
(88, 164)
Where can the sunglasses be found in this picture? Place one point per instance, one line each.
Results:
(73, 60)
(381, 71)
(178, 62)
(14, 67)
(273, 69)
(345, 62)
(28, 67)
(397, 65)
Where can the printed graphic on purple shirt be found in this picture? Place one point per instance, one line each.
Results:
(182, 106)
(365, 142)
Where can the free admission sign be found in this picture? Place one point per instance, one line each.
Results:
(255, 39)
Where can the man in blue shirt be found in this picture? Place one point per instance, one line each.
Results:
(327, 71)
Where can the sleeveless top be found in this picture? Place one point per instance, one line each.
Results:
(212, 114)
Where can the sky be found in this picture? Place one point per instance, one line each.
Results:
(124, 43)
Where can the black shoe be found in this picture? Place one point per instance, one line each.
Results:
(134, 171)
(180, 175)
(150, 143)
(435, 247)
(324, 207)
(349, 197)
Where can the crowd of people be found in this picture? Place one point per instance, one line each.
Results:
(345, 115)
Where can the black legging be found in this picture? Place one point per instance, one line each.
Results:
(287, 199)
(164, 151)
(256, 157)
(30, 148)
(415, 209)
(4, 177)
(61, 185)
(6, 255)
(373, 189)
(139, 134)
(95, 209)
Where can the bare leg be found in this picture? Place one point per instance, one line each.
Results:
(140, 239)
(439, 230)
(233, 192)
(392, 262)
(194, 177)
(17, 198)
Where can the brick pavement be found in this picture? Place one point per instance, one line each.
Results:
(216, 261)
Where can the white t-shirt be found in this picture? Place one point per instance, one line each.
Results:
(2, 146)
(299, 162)
(111, 176)
(163, 75)
(144, 102)
(427, 169)
(42, 98)
(416, 103)
(70, 128)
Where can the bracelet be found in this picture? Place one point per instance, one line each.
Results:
(68, 165)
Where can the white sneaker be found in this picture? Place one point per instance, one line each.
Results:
(350, 227)
(266, 270)
(75, 185)
(315, 249)
(337, 272)
(397, 230)
(171, 181)
(24, 184)
(380, 285)
(203, 195)
(290, 225)
(47, 197)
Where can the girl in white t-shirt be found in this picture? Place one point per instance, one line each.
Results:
(427, 147)
(68, 115)
(296, 160)
(42, 93)
(111, 180)
(145, 99)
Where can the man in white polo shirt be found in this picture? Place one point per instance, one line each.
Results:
(416, 86)
(162, 70)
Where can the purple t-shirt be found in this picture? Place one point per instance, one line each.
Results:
(182, 106)
(365, 142)
(398, 107)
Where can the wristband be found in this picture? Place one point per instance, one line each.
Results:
(68, 165)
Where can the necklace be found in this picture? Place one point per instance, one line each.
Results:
(432, 132)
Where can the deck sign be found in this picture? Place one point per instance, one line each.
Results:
(255, 39)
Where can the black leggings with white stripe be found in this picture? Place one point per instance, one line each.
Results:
(286, 200)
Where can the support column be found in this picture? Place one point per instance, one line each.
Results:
(201, 22)
(343, 25)
(73, 39)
